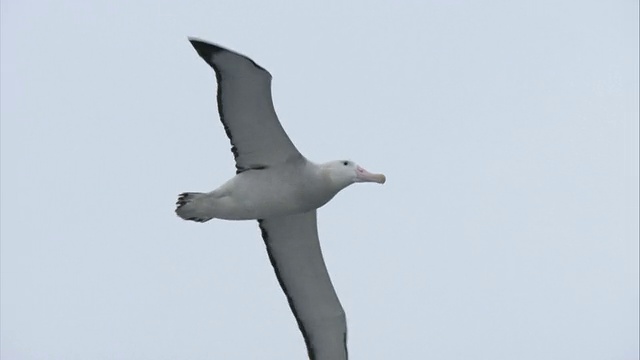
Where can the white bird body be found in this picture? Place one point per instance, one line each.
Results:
(280, 188)
(292, 187)
(260, 194)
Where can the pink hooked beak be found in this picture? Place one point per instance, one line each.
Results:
(363, 175)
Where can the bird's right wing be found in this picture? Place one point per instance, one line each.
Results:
(294, 250)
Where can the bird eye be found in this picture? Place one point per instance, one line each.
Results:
(345, 163)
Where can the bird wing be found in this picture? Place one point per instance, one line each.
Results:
(246, 109)
(294, 250)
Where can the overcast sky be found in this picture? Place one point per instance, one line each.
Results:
(508, 131)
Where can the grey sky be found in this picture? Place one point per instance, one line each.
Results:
(508, 131)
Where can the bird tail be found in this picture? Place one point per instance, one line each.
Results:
(191, 206)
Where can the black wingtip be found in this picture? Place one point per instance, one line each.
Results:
(207, 49)
(204, 48)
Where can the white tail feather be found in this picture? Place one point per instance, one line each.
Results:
(192, 207)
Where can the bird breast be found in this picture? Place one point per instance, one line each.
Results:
(260, 194)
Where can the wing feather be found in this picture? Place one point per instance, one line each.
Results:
(295, 253)
(246, 109)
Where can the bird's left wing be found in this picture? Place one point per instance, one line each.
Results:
(294, 250)
(246, 109)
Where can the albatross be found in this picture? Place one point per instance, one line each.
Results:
(277, 186)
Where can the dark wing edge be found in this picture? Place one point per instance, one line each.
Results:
(256, 153)
(295, 254)
(205, 50)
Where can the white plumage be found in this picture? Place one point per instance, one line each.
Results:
(280, 188)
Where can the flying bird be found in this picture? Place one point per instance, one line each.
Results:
(277, 186)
